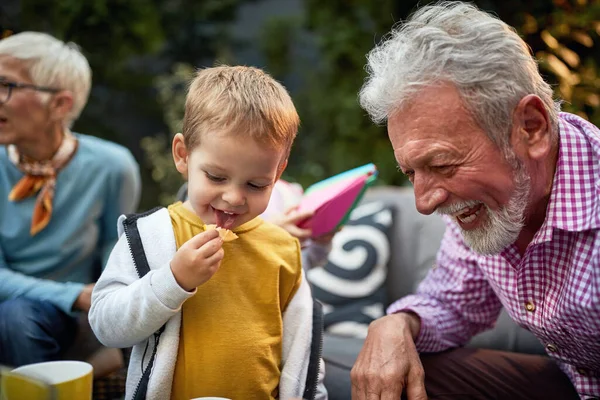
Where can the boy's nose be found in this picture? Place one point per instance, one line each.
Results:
(234, 197)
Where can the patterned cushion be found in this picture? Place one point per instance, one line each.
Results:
(351, 285)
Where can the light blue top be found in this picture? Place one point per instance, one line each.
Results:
(100, 183)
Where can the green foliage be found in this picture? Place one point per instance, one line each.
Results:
(567, 43)
(337, 135)
(130, 45)
(319, 53)
(107, 30)
(171, 95)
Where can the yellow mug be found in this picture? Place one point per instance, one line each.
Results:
(53, 380)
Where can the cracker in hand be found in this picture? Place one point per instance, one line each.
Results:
(225, 234)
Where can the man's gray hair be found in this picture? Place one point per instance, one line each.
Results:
(456, 43)
(52, 63)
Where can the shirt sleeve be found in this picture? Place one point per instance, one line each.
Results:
(123, 196)
(14, 284)
(454, 301)
(296, 343)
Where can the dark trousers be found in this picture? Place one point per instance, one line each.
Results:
(474, 374)
(33, 331)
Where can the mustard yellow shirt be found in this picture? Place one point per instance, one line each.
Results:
(231, 329)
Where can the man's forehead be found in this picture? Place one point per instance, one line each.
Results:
(422, 152)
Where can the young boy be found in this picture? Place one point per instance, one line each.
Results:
(238, 314)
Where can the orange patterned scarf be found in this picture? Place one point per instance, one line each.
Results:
(40, 176)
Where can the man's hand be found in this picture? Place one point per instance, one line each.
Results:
(388, 362)
(84, 300)
(198, 259)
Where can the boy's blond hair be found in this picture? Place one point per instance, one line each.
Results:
(239, 100)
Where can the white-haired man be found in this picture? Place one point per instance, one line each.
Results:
(474, 127)
(62, 193)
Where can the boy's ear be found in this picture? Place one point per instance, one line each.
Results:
(281, 168)
(180, 155)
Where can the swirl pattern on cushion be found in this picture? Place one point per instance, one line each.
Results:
(351, 285)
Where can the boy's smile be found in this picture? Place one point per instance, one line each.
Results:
(230, 177)
(225, 219)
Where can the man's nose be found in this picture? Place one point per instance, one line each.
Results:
(428, 196)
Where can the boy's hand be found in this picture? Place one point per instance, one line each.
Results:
(198, 259)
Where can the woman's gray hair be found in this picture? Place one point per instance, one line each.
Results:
(53, 63)
(454, 42)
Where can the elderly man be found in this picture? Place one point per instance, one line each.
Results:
(62, 193)
(474, 127)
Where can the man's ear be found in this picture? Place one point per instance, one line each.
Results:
(281, 168)
(180, 154)
(61, 105)
(532, 134)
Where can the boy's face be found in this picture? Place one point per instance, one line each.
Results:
(230, 178)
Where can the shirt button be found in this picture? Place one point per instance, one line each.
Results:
(529, 306)
(551, 348)
(581, 371)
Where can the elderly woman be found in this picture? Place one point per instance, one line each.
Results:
(61, 194)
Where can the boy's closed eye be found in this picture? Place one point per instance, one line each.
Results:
(214, 178)
(253, 186)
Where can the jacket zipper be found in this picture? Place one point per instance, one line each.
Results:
(126, 224)
(319, 354)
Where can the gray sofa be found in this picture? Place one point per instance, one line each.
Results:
(415, 240)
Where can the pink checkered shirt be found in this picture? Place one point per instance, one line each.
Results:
(553, 290)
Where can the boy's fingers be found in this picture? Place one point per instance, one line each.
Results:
(216, 257)
(202, 238)
(211, 247)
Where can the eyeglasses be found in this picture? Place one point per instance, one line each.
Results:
(6, 88)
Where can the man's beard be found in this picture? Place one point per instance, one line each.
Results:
(503, 226)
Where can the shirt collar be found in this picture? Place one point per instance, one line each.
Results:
(575, 198)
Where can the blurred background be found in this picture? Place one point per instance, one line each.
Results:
(143, 52)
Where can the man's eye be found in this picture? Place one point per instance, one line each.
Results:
(214, 178)
(442, 168)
